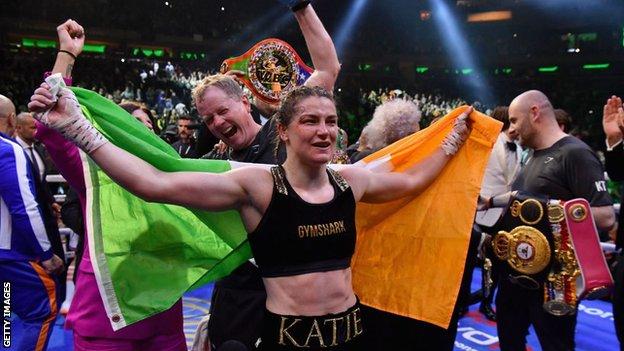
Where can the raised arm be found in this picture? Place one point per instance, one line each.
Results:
(382, 187)
(320, 46)
(65, 154)
(71, 41)
(207, 191)
(613, 126)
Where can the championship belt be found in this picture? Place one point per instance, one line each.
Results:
(271, 69)
(523, 245)
(552, 243)
(581, 270)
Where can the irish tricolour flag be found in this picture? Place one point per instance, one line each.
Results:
(410, 252)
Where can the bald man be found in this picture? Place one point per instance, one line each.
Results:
(7, 116)
(28, 265)
(25, 130)
(562, 167)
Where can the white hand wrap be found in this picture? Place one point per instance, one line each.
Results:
(456, 137)
(75, 126)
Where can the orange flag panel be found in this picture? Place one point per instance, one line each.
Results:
(411, 252)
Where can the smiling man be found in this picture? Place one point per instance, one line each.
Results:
(227, 112)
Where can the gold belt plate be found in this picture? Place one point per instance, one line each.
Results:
(525, 248)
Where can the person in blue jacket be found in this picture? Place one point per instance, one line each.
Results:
(27, 264)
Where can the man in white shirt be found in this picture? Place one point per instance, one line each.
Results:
(504, 161)
(500, 173)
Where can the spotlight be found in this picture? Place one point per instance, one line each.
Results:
(425, 15)
(345, 31)
(459, 50)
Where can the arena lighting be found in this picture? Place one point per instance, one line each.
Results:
(365, 67)
(95, 48)
(466, 71)
(38, 43)
(596, 66)
(504, 70)
(548, 69)
(490, 16)
(345, 30)
(421, 69)
(189, 55)
(48, 44)
(425, 15)
(458, 49)
(148, 52)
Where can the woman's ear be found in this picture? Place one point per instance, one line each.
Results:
(281, 130)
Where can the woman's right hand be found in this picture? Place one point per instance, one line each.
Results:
(54, 112)
(63, 113)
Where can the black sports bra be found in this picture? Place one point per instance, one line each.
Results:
(296, 237)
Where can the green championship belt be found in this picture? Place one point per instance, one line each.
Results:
(271, 69)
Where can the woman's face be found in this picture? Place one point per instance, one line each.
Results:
(311, 133)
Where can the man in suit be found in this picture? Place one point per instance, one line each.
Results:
(613, 126)
(25, 130)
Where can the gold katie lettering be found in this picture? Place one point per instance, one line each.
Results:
(317, 333)
(348, 318)
(284, 332)
(357, 322)
(334, 328)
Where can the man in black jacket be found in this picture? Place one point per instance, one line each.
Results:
(613, 125)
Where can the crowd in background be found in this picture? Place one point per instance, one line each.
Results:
(165, 88)
(375, 110)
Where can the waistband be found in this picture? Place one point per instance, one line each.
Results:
(312, 332)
